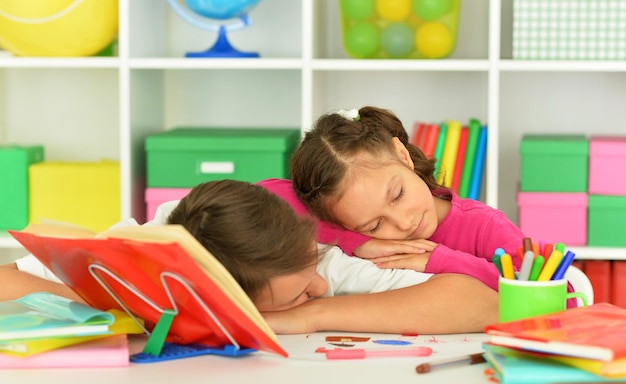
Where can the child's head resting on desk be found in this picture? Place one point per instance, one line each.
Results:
(258, 237)
(354, 166)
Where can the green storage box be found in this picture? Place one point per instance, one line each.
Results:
(14, 203)
(607, 221)
(184, 157)
(554, 163)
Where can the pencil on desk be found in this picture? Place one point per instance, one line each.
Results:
(475, 358)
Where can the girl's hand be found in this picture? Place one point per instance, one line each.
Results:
(376, 248)
(416, 262)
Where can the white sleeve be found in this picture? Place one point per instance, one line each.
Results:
(348, 275)
(30, 264)
(163, 212)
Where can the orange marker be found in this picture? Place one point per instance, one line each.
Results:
(547, 250)
(550, 266)
(507, 266)
(536, 249)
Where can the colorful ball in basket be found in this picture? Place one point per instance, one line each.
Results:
(57, 27)
(411, 29)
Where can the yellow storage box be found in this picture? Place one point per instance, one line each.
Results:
(81, 193)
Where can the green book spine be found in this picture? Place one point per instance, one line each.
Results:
(441, 143)
(470, 156)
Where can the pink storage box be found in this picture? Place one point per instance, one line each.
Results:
(607, 165)
(554, 216)
(157, 196)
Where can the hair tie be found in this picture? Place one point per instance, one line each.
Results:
(352, 114)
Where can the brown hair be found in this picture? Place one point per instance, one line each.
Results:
(321, 164)
(252, 232)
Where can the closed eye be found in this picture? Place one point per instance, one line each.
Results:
(378, 223)
(400, 194)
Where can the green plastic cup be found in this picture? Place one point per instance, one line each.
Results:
(520, 299)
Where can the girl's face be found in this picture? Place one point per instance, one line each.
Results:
(388, 201)
(287, 291)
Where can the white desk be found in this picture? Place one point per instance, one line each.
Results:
(265, 368)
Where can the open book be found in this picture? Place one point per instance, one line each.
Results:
(149, 269)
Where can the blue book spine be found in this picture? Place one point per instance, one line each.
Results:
(479, 164)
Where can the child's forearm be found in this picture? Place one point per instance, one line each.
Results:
(15, 284)
(446, 260)
(444, 304)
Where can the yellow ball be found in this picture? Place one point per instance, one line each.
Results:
(434, 40)
(393, 10)
(57, 27)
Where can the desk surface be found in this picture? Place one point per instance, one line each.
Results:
(301, 367)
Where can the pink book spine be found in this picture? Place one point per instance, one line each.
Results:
(111, 351)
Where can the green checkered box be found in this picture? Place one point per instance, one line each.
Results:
(569, 29)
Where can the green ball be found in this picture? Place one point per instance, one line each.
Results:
(355, 10)
(431, 9)
(362, 40)
(397, 40)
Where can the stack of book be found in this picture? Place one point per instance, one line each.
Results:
(586, 344)
(43, 330)
(459, 151)
(190, 304)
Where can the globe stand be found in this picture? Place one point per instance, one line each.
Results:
(222, 48)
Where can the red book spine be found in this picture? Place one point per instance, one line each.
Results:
(599, 273)
(460, 160)
(430, 142)
(419, 134)
(619, 283)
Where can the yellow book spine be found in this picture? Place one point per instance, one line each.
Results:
(450, 150)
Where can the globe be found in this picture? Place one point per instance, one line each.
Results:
(221, 9)
(217, 10)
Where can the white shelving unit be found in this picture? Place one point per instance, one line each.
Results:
(92, 108)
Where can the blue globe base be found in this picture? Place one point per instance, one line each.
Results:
(222, 48)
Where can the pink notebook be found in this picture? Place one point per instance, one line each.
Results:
(110, 351)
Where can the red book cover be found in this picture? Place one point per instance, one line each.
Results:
(618, 296)
(137, 263)
(419, 134)
(599, 274)
(460, 160)
(594, 332)
(430, 143)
